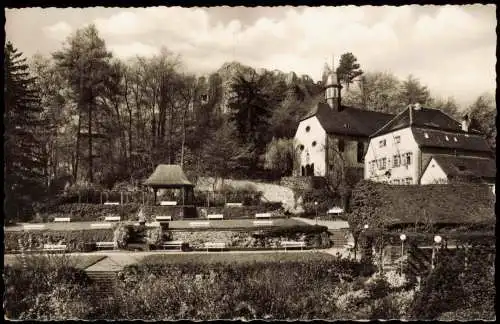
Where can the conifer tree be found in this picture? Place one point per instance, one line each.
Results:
(23, 151)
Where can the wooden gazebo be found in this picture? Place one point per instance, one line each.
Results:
(171, 176)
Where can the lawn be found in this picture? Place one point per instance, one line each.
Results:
(211, 258)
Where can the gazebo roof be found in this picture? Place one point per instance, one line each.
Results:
(168, 176)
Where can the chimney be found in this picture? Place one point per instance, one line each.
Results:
(466, 123)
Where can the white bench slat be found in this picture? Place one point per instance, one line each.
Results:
(168, 203)
(112, 218)
(176, 244)
(291, 244)
(34, 226)
(263, 215)
(215, 216)
(262, 222)
(152, 224)
(100, 225)
(234, 204)
(54, 247)
(215, 245)
(62, 219)
(163, 218)
(105, 245)
(111, 203)
(199, 224)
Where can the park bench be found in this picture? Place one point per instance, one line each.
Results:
(168, 203)
(163, 218)
(263, 223)
(293, 244)
(112, 218)
(215, 216)
(100, 225)
(151, 224)
(215, 245)
(173, 244)
(199, 224)
(34, 226)
(62, 219)
(111, 203)
(54, 247)
(233, 204)
(105, 245)
(263, 215)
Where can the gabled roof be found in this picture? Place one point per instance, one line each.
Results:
(458, 166)
(349, 121)
(168, 176)
(427, 118)
(437, 138)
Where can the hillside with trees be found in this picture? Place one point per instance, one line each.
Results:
(82, 117)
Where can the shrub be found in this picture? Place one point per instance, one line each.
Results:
(48, 288)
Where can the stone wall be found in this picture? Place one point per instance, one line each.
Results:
(303, 183)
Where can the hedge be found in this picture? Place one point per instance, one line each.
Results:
(94, 212)
(242, 212)
(74, 240)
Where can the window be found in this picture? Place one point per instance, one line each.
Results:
(381, 163)
(397, 139)
(341, 145)
(407, 158)
(314, 143)
(308, 128)
(396, 181)
(446, 137)
(372, 166)
(408, 181)
(381, 143)
(301, 147)
(426, 135)
(455, 139)
(396, 161)
(361, 152)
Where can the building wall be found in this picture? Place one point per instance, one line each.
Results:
(311, 153)
(433, 174)
(350, 153)
(401, 173)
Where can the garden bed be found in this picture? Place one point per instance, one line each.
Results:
(236, 258)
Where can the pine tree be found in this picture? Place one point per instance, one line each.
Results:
(23, 151)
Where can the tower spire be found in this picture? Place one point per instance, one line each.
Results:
(332, 88)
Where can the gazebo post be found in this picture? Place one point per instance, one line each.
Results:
(154, 190)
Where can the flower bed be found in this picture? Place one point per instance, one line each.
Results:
(75, 240)
(241, 212)
(313, 236)
(95, 212)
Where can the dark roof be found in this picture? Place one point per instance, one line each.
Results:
(349, 121)
(463, 203)
(455, 166)
(437, 138)
(168, 176)
(427, 118)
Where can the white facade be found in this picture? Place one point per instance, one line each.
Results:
(310, 139)
(433, 174)
(393, 158)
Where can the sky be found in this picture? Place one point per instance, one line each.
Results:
(451, 49)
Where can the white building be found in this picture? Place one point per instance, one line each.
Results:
(399, 152)
(332, 134)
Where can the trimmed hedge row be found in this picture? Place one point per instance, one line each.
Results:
(314, 236)
(75, 240)
(94, 212)
(242, 212)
